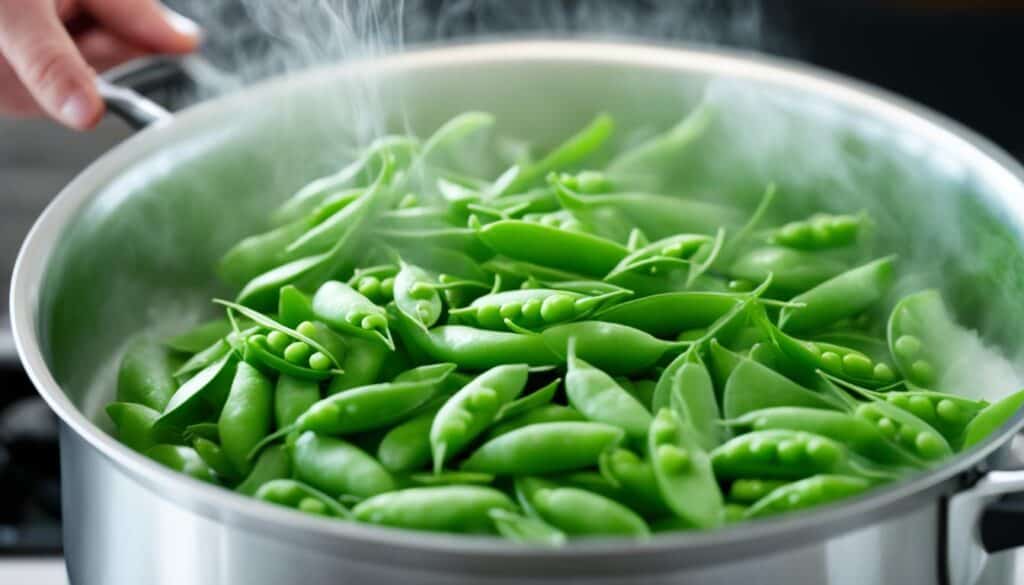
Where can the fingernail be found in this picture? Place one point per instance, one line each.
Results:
(182, 24)
(75, 110)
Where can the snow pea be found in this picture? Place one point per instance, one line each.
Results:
(336, 467)
(146, 375)
(599, 398)
(544, 448)
(691, 394)
(637, 481)
(362, 365)
(247, 415)
(468, 412)
(578, 512)
(136, 425)
(204, 358)
(459, 509)
(407, 445)
(806, 493)
(294, 307)
(202, 395)
(257, 254)
(299, 496)
(533, 400)
(610, 347)
(540, 414)
(752, 386)
(991, 419)
(292, 397)
(845, 295)
(551, 247)
(793, 271)
(665, 315)
(683, 471)
(519, 528)
(273, 462)
(213, 455)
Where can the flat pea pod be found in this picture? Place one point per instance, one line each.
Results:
(683, 471)
(991, 419)
(807, 493)
(274, 462)
(374, 406)
(362, 365)
(336, 467)
(540, 414)
(845, 295)
(749, 490)
(612, 348)
(416, 297)
(905, 429)
(257, 254)
(476, 349)
(923, 337)
(637, 481)
(722, 362)
(858, 434)
(784, 454)
(457, 509)
(524, 529)
(302, 497)
(344, 309)
(146, 375)
(534, 399)
(665, 315)
(551, 247)
(247, 415)
(792, 271)
(691, 393)
(199, 337)
(136, 425)
(469, 412)
(407, 445)
(544, 448)
(213, 455)
(203, 394)
(451, 478)
(820, 231)
(598, 397)
(579, 512)
(752, 386)
(183, 460)
(292, 397)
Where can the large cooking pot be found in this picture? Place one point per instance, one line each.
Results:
(130, 244)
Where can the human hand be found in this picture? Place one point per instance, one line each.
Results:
(50, 51)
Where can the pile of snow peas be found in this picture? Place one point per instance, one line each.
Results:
(459, 335)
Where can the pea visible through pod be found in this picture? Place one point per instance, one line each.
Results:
(683, 471)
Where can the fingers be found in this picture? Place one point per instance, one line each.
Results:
(146, 23)
(47, 63)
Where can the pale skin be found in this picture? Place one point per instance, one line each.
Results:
(50, 51)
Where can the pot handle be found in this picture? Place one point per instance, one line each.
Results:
(120, 88)
(982, 520)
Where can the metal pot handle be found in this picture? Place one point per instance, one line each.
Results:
(977, 522)
(120, 88)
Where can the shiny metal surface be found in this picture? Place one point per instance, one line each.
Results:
(131, 240)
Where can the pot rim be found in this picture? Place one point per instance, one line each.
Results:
(731, 542)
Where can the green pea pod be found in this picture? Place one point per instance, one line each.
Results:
(183, 460)
(651, 165)
(551, 247)
(793, 271)
(451, 478)
(807, 493)
(255, 352)
(723, 362)
(407, 445)
(573, 151)
(540, 414)
(416, 297)
(345, 310)
(472, 409)
(199, 337)
(201, 360)
(146, 374)
(363, 364)
(337, 467)
(262, 292)
(297, 495)
(531, 308)
(947, 413)
(294, 306)
(475, 349)
(923, 338)
(415, 219)
(457, 509)
(820, 231)
(519, 528)
(845, 295)
(674, 250)
(612, 348)
(205, 430)
(459, 239)
(683, 471)
(578, 512)
(273, 463)
(748, 490)
(860, 435)
(247, 415)
(692, 397)
(203, 394)
(541, 448)
(257, 254)
(292, 397)
(991, 419)
(529, 402)
(136, 425)
(666, 315)
(599, 398)
(213, 455)
(905, 429)
(636, 479)
(752, 386)
(274, 326)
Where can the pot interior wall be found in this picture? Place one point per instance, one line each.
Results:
(140, 254)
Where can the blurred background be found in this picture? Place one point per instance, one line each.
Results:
(961, 58)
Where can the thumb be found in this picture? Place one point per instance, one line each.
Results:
(48, 63)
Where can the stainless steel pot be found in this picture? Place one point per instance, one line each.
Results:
(130, 242)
